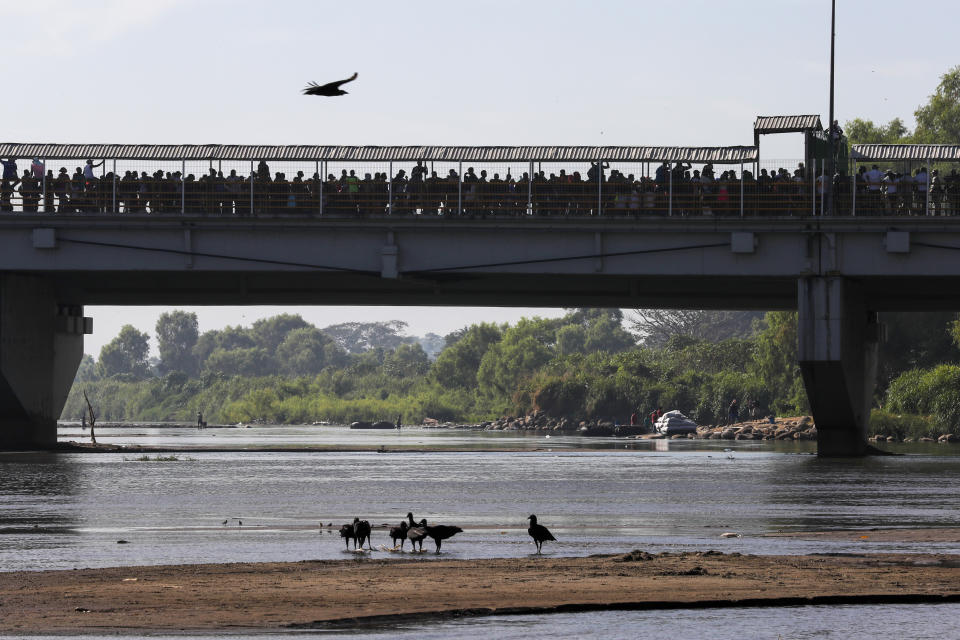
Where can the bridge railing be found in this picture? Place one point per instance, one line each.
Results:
(504, 189)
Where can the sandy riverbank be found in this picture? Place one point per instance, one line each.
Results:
(275, 595)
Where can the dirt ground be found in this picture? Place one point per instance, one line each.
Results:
(317, 593)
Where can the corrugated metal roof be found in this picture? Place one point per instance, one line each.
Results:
(719, 155)
(787, 124)
(921, 152)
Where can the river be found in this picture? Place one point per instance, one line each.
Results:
(597, 495)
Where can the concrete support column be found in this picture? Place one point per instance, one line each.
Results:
(839, 338)
(41, 345)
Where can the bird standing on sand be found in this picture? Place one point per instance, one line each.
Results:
(440, 532)
(329, 89)
(538, 532)
(346, 532)
(416, 534)
(399, 533)
(361, 532)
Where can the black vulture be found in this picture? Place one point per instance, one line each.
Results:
(346, 532)
(361, 532)
(399, 533)
(440, 532)
(416, 534)
(329, 89)
(538, 532)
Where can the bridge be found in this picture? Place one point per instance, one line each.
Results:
(546, 249)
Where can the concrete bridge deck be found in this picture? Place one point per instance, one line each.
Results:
(837, 271)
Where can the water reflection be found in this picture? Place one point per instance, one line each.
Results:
(69, 510)
(848, 622)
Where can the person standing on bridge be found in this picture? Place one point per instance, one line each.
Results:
(89, 167)
(9, 169)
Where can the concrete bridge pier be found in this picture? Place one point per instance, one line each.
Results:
(839, 339)
(41, 346)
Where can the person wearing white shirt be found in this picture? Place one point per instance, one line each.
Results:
(890, 184)
(874, 180)
(88, 169)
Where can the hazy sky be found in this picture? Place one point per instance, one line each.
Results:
(485, 73)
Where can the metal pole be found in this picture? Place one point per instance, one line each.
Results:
(530, 189)
(813, 188)
(183, 186)
(927, 186)
(599, 187)
(833, 143)
(741, 188)
(113, 185)
(670, 190)
(853, 189)
(823, 179)
(390, 189)
(321, 171)
(251, 187)
(460, 188)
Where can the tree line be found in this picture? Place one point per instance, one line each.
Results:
(588, 364)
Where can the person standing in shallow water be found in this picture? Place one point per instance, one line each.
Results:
(733, 414)
(398, 422)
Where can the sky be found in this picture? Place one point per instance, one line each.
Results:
(483, 73)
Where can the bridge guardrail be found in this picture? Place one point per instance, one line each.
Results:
(451, 189)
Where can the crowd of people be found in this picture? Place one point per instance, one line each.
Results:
(674, 188)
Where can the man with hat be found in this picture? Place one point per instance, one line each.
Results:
(891, 198)
(61, 188)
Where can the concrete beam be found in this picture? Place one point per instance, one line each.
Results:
(41, 345)
(839, 339)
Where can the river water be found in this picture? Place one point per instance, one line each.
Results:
(597, 495)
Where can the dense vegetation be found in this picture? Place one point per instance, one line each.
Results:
(585, 365)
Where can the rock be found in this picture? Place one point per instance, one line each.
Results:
(728, 434)
(926, 439)
(908, 439)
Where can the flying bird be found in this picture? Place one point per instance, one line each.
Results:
(329, 89)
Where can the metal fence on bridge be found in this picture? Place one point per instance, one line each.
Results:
(487, 181)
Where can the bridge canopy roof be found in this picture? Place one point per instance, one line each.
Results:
(339, 153)
(786, 124)
(919, 152)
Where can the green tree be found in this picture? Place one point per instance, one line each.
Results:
(357, 337)
(269, 333)
(775, 362)
(456, 366)
(177, 335)
(406, 361)
(126, 354)
(915, 340)
(524, 348)
(860, 131)
(87, 371)
(250, 361)
(307, 351)
(228, 338)
(657, 326)
(571, 339)
(938, 121)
